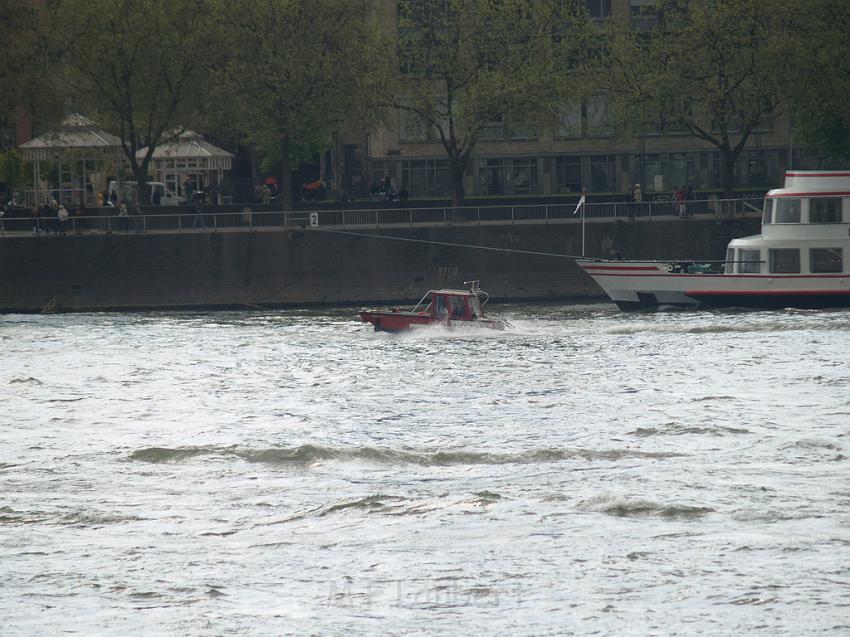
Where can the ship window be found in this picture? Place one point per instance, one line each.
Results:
(826, 260)
(767, 217)
(787, 211)
(729, 268)
(750, 262)
(825, 210)
(784, 260)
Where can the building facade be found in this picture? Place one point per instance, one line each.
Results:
(580, 150)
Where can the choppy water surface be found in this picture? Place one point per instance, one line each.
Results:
(584, 472)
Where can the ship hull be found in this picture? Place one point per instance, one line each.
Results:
(636, 286)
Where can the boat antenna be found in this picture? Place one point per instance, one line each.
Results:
(474, 286)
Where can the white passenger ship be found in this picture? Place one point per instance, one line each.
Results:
(799, 260)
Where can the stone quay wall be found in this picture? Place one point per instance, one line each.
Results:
(303, 267)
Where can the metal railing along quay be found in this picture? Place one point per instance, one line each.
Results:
(246, 220)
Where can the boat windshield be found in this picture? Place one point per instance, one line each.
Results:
(475, 307)
(457, 306)
(439, 302)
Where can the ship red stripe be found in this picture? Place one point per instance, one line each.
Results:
(697, 293)
(730, 276)
(630, 268)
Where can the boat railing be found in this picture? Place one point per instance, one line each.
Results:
(425, 297)
(106, 220)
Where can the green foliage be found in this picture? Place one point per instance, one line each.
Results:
(138, 67)
(463, 65)
(13, 169)
(817, 68)
(294, 71)
(711, 68)
(24, 60)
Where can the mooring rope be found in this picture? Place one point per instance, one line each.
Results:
(449, 244)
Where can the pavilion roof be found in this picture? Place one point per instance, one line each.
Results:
(190, 145)
(75, 133)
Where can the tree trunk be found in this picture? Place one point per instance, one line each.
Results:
(285, 176)
(729, 159)
(140, 174)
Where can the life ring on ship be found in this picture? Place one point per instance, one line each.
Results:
(669, 267)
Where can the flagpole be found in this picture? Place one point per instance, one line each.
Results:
(583, 205)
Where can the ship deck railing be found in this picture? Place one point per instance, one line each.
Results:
(211, 219)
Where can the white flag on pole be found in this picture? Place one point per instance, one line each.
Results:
(579, 205)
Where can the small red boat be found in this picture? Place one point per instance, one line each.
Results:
(450, 308)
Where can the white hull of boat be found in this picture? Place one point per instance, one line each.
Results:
(635, 285)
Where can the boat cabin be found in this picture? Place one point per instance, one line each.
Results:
(805, 228)
(458, 305)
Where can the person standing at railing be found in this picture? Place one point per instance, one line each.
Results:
(138, 218)
(36, 220)
(123, 221)
(62, 216)
(638, 197)
(79, 217)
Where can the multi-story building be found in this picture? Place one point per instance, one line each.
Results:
(580, 150)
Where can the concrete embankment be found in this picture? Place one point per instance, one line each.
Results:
(307, 267)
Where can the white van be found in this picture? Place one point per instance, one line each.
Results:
(158, 192)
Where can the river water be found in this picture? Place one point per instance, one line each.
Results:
(584, 472)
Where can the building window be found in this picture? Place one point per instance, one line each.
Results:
(522, 131)
(653, 169)
(603, 177)
(787, 210)
(413, 128)
(425, 177)
(680, 170)
(491, 177)
(569, 120)
(784, 260)
(524, 176)
(508, 176)
(760, 168)
(750, 262)
(826, 260)
(598, 116)
(568, 174)
(598, 8)
(643, 14)
(825, 210)
(492, 130)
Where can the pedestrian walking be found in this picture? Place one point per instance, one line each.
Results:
(198, 221)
